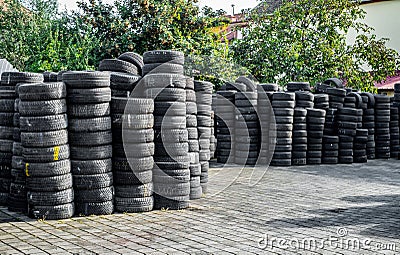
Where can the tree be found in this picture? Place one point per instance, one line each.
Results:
(305, 40)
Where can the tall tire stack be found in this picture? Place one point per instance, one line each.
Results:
(347, 126)
(315, 133)
(204, 125)
(193, 140)
(166, 84)
(330, 152)
(283, 107)
(394, 132)
(299, 136)
(12, 163)
(225, 118)
(44, 138)
(133, 150)
(382, 127)
(90, 138)
(265, 117)
(360, 146)
(246, 129)
(368, 122)
(331, 123)
(213, 140)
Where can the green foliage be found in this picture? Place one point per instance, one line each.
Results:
(305, 40)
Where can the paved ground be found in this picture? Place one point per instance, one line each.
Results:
(343, 209)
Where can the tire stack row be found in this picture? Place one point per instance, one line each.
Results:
(394, 132)
(360, 146)
(382, 127)
(204, 125)
(90, 138)
(368, 122)
(193, 140)
(246, 128)
(11, 145)
(299, 136)
(347, 126)
(164, 82)
(225, 121)
(44, 137)
(315, 133)
(283, 107)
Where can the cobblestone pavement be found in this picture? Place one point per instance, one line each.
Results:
(354, 208)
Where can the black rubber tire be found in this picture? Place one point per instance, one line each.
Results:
(133, 136)
(94, 208)
(139, 164)
(164, 56)
(132, 58)
(89, 96)
(51, 198)
(91, 152)
(42, 91)
(117, 65)
(134, 205)
(177, 203)
(86, 79)
(298, 86)
(90, 124)
(164, 81)
(135, 105)
(135, 121)
(6, 119)
(124, 81)
(130, 178)
(44, 139)
(48, 169)
(91, 138)
(94, 195)
(134, 191)
(89, 167)
(49, 183)
(133, 150)
(56, 212)
(162, 68)
(92, 181)
(89, 110)
(43, 123)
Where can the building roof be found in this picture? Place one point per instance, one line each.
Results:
(389, 83)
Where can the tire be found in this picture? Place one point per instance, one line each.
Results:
(92, 152)
(250, 85)
(94, 195)
(56, 212)
(86, 79)
(12, 78)
(43, 123)
(164, 81)
(166, 94)
(134, 191)
(168, 122)
(135, 105)
(93, 181)
(133, 150)
(116, 65)
(134, 205)
(134, 121)
(49, 183)
(44, 139)
(140, 164)
(91, 138)
(170, 108)
(133, 58)
(50, 198)
(89, 110)
(177, 203)
(90, 125)
(6, 119)
(134, 136)
(6, 133)
(101, 208)
(283, 96)
(336, 92)
(162, 68)
(89, 96)
(42, 91)
(49, 169)
(164, 56)
(130, 178)
(90, 167)
(7, 105)
(124, 81)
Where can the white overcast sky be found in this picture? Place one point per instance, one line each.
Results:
(216, 4)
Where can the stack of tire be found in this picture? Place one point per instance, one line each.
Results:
(299, 136)
(382, 127)
(193, 140)
(331, 128)
(336, 97)
(166, 85)
(44, 138)
(321, 101)
(204, 125)
(225, 121)
(11, 143)
(50, 76)
(347, 126)
(330, 152)
(368, 122)
(304, 99)
(360, 146)
(7, 97)
(246, 128)
(213, 140)
(90, 138)
(315, 133)
(122, 84)
(266, 119)
(283, 106)
(394, 132)
(133, 150)
(298, 86)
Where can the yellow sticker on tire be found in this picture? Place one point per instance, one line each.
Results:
(26, 169)
(56, 152)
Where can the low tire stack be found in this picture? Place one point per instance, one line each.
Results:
(44, 138)
(299, 136)
(133, 150)
(246, 129)
(382, 127)
(360, 146)
(11, 144)
(283, 107)
(315, 129)
(368, 122)
(193, 140)
(204, 125)
(330, 152)
(394, 132)
(225, 121)
(171, 174)
(90, 138)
